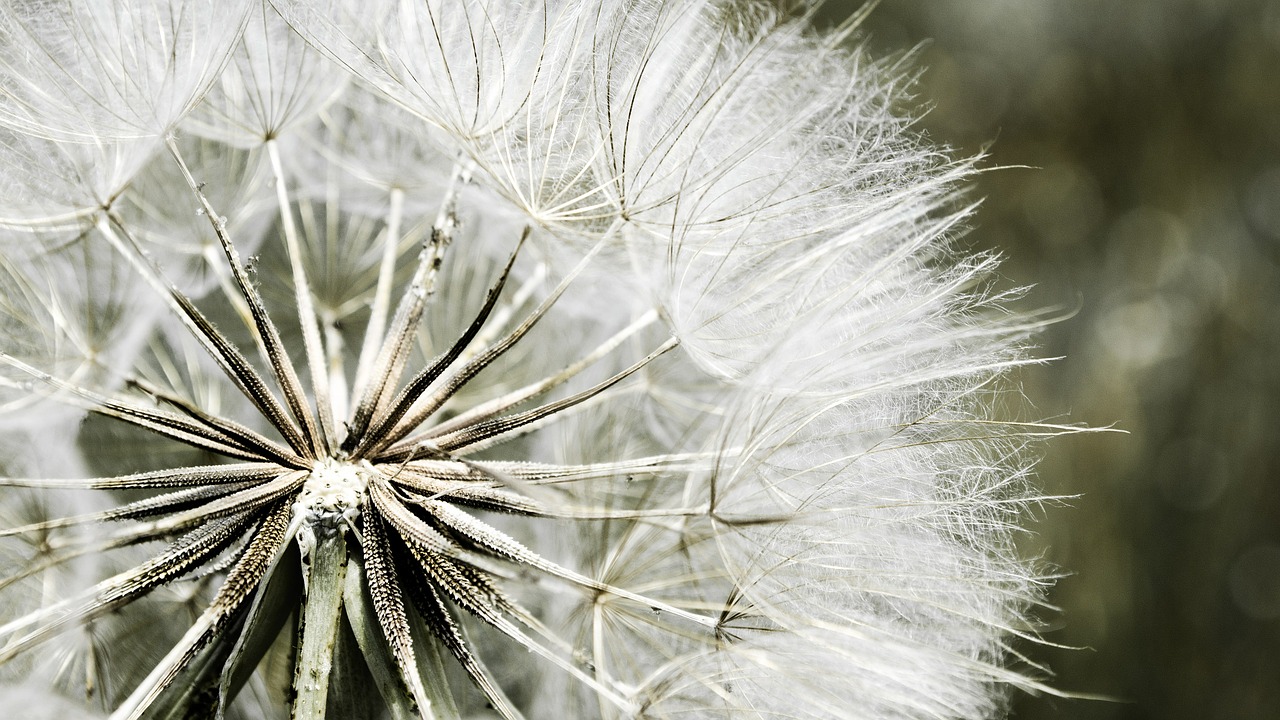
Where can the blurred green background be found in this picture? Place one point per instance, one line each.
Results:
(1153, 211)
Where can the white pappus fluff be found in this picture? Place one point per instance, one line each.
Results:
(631, 339)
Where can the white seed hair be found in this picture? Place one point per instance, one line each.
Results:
(724, 439)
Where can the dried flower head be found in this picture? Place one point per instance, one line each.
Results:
(475, 359)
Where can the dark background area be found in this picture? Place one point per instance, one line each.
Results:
(1151, 211)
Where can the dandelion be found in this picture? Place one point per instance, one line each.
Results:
(464, 360)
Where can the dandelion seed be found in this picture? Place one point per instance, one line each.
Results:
(627, 336)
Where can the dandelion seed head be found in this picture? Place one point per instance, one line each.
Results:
(333, 490)
(540, 359)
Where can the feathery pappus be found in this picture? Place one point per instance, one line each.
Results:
(422, 359)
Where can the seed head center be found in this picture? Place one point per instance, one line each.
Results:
(335, 489)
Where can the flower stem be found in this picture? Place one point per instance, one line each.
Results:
(321, 611)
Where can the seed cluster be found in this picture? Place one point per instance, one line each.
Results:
(393, 482)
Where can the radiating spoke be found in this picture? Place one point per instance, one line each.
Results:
(313, 347)
(251, 498)
(407, 524)
(277, 356)
(157, 479)
(508, 547)
(501, 404)
(466, 493)
(187, 552)
(442, 624)
(470, 590)
(459, 378)
(136, 510)
(375, 330)
(389, 363)
(235, 590)
(479, 597)
(229, 358)
(489, 429)
(410, 394)
(501, 500)
(547, 474)
(388, 603)
(174, 427)
(247, 437)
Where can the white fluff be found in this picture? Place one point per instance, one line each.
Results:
(843, 506)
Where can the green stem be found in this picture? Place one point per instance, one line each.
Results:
(321, 611)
